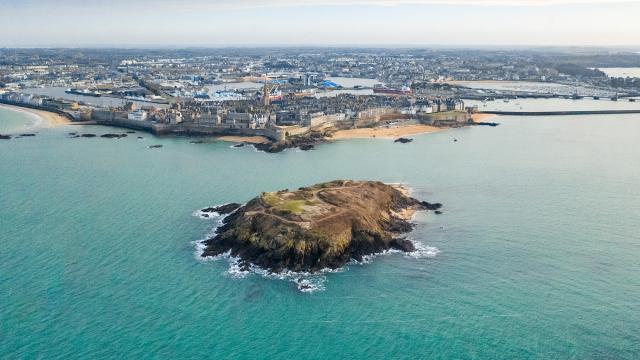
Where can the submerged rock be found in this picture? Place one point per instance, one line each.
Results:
(27, 135)
(113, 136)
(492, 124)
(88, 135)
(155, 146)
(317, 227)
(429, 206)
(403, 140)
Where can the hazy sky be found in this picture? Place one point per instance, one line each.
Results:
(25, 23)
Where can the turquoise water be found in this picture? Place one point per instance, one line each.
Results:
(538, 248)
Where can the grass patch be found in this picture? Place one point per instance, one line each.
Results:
(292, 206)
(275, 202)
(271, 199)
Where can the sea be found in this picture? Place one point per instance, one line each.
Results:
(104, 101)
(535, 256)
(534, 87)
(633, 72)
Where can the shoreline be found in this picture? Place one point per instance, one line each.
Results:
(482, 117)
(384, 132)
(406, 214)
(47, 119)
(244, 139)
(44, 119)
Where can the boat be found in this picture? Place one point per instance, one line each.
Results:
(381, 89)
(83, 92)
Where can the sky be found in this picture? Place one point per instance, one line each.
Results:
(178, 23)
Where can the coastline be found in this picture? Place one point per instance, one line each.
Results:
(385, 133)
(482, 117)
(245, 139)
(406, 214)
(44, 119)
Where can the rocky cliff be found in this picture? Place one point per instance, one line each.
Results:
(317, 227)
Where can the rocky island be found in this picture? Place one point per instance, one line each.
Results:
(304, 142)
(317, 227)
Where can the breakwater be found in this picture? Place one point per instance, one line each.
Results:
(560, 113)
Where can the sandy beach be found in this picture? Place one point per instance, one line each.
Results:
(384, 132)
(44, 119)
(246, 139)
(482, 117)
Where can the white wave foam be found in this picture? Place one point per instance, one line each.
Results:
(311, 285)
(200, 244)
(236, 270)
(367, 259)
(422, 251)
(255, 149)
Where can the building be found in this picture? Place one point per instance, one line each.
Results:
(138, 115)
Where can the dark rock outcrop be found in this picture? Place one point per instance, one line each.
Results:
(306, 141)
(317, 227)
(113, 136)
(5, 137)
(403, 140)
(429, 206)
(222, 209)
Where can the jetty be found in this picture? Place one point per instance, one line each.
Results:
(560, 113)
